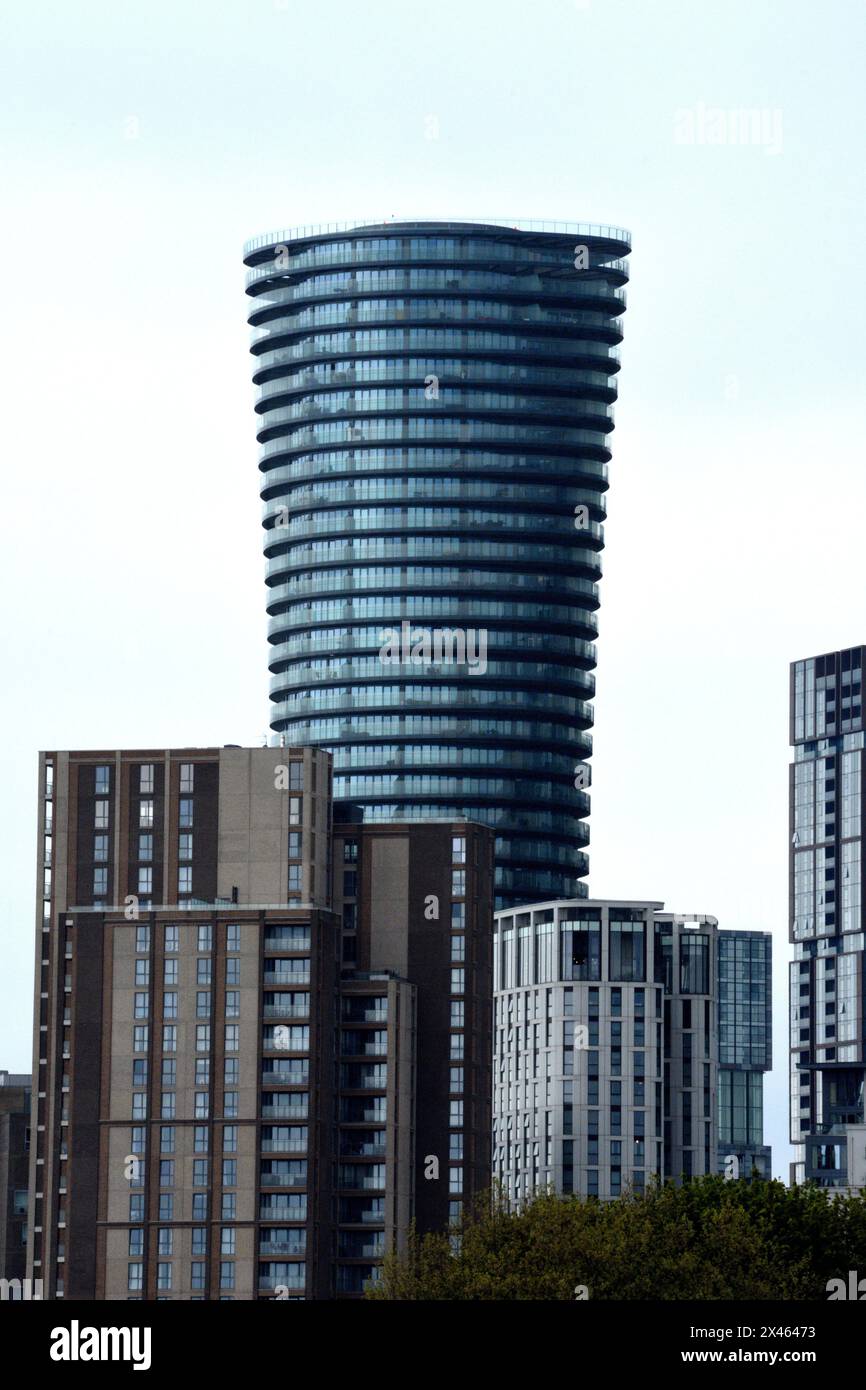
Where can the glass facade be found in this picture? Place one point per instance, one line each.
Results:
(828, 1064)
(435, 403)
(745, 1048)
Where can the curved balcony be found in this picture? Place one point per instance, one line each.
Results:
(369, 641)
(450, 373)
(491, 469)
(451, 411)
(273, 322)
(574, 290)
(301, 619)
(494, 342)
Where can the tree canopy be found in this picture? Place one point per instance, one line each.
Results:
(706, 1239)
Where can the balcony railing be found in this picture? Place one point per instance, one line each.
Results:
(285, 1112)
(416, 226)
(286, 1011)
(271, 1281)
(282, 1215)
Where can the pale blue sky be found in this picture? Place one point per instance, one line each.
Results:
(144, 143)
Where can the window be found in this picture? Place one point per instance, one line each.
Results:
(185, 814)
(202, 1037)
(233, 936)
(455, 1180)
(100, 882)
(202, 1071)
(139, 1105)
(145, 845)
(230, 1138)
(166, 1172)
(230, 1172)
(202, 1003)
(202, 1105)
(145, 814)
(294, 844)
(102, 780)
(694, 963)
(169, 1003)
(166, 1139)
(142, 940)
(167, 1105)
(455, 1115)
(145, 882)
(456, 1079)
(199, 1206)
(136, 1208)
(169, 972)
(134, 1281)
(199, 1240)
(203, 971)
(199, 1172)
(197, 1268)
(171, 939)
(100, 848)
(458, 947)
(227, 1240)
(227, 1274)
(233, 1037)
(185, 845)
(142, 1004)
(228, 1210)
(184, 878)
(458, 849)
(458, 980)
(140, 1036)
(165, 1240)
(230, 1104)
(136, 1242)
(145, 778)
(163, 1275)
(201, 1139)
(166, 1206)
(458, 883)
(295, 810)
(205, 937)
(100, 815)
(233, 1003)
(139, 1071)
(169, 1071)
(627, 950)
(295, 878)
(186, 777)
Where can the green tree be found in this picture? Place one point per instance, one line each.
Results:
(707, 1239)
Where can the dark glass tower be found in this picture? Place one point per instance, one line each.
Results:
(745, 1008)
(434, 410)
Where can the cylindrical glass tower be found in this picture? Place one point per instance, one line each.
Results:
(434, 410)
